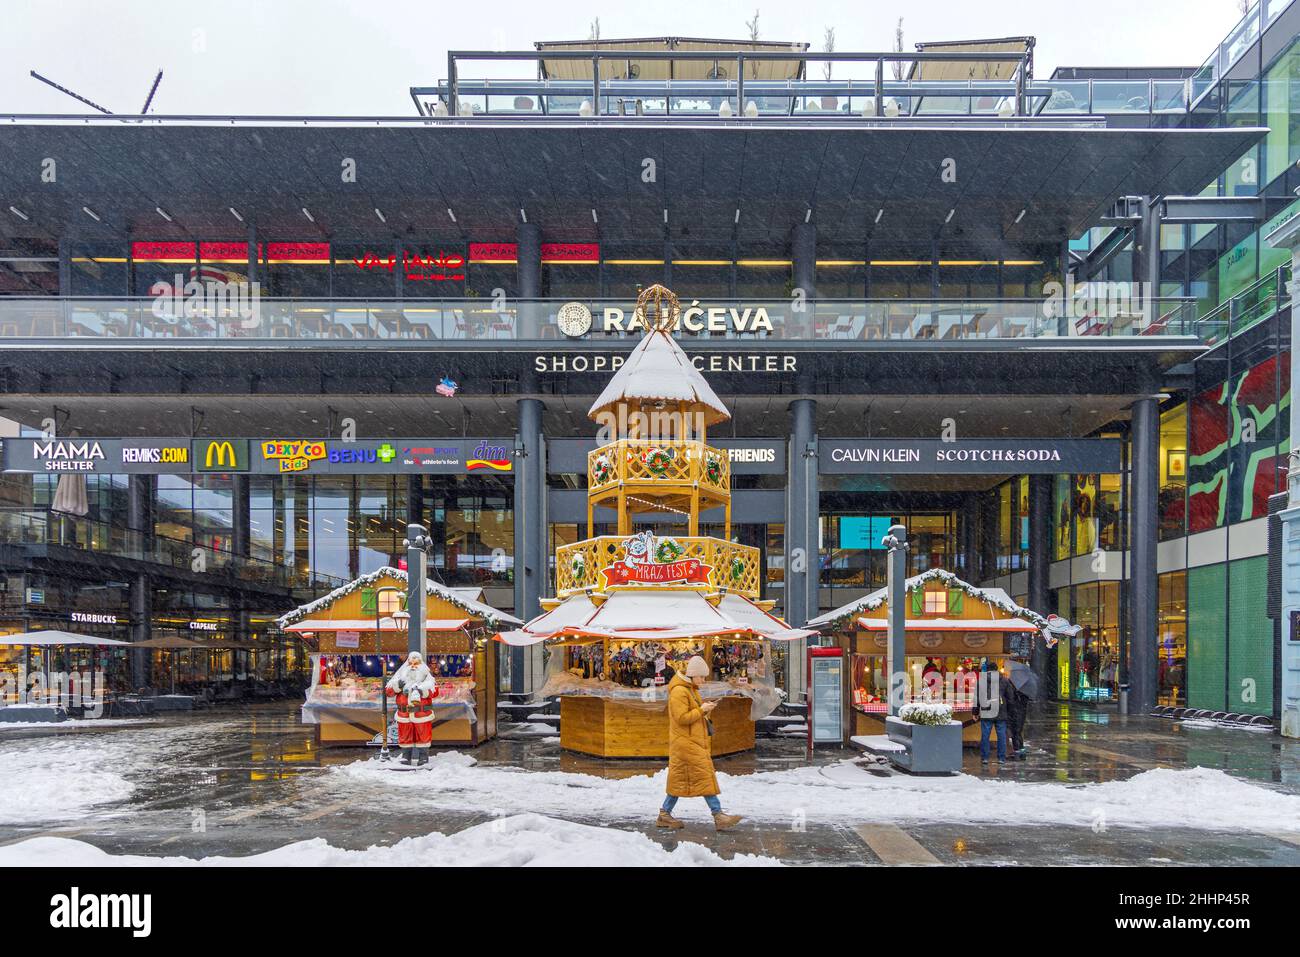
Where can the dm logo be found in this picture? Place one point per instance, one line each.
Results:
(487, 456)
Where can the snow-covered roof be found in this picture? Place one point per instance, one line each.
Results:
(658, 370)
(995, 597)
(653, 616)
(477, 609)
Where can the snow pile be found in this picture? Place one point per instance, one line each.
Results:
(525, 840)
(1202, 798)
(58, 778)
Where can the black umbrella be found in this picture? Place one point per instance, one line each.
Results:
(1023, 678)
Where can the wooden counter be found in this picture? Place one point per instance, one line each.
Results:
(614, 729)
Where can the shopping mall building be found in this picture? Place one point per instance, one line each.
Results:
(1034, 319)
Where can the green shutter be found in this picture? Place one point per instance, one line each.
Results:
(368, 599)
(955, 595)
(918, 603)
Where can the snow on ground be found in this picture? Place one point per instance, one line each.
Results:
(59, 776)
(1202, 798)
(76, 723)
(519, 841)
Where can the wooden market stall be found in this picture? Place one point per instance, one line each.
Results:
(630, 607)
(951, 626)
(357, 639)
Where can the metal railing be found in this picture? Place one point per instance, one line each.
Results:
(48, 527)
(728, 68)
(729, 565)
(806, 99)
(71, 321)
(1257, 302)
(1234, 46)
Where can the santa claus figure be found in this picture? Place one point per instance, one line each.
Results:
(414, 687)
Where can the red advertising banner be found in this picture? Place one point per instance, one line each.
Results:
(211, 252)
(570, 252)
(493, 252)
(551, 252)
(686, 571)
(162, 252)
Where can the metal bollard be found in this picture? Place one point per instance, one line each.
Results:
(1123, 699)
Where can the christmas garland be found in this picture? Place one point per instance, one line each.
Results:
(713, 468)
(491, 617)
(579, 566)
(668, 550)
(657, 461)
(737, 568)
(877, 599)
(604, 469)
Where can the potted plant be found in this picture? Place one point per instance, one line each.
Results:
(931, 736)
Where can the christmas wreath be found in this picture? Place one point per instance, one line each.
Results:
(579, 566)
(668, 550)
(657, 460)
(713, 469)
(604, 469)
(737, 568)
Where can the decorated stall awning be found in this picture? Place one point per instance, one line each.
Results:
(459, 598)
(633, 616)
(950, 624)
(368, 624)
(53, 637)
(961, 606)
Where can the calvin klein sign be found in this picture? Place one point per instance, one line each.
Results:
(968, 457)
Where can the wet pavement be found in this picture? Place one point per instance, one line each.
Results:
(244, 779)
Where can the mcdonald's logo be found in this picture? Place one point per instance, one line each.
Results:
(221, 455)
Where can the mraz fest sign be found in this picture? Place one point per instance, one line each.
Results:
(651, 561)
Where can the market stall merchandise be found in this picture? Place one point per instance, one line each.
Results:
(952, 627)
(352, 659)
(633, 607)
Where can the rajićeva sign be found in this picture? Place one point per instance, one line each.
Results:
(968, 457)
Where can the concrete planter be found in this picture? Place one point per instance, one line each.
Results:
(931, 749)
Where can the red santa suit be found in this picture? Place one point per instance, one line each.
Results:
(414, 687)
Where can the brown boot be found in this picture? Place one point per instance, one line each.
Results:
(667, 820)
(725, 822)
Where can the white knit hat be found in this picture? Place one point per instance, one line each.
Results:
(697, 667)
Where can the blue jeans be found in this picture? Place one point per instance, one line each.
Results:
(711, 800)
(986, 725)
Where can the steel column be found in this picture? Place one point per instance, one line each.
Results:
(1144, 583)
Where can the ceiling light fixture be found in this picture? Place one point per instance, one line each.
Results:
(947, 219)
(380, 215)
(665, 214)
(879, 214)
(18, 212)
(306, 212)
(523, 214)
(162, 212)
(593, 217)
(91, 213)
(234, 212)
(737, 219)
(1019, 216)
(807, 214)
(451, 214)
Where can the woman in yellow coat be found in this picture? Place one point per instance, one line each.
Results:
(690, 764)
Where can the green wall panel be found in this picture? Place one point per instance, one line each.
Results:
(1250, 636)
(1206, 631)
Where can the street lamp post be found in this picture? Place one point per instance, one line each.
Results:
(394, 612)
(896, 591)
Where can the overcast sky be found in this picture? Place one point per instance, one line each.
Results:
(359, 57)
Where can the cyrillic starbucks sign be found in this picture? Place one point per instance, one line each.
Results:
(969, 457)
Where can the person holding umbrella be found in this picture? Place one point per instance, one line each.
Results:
(1022, 688)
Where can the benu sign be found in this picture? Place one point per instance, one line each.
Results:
(969, 457)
